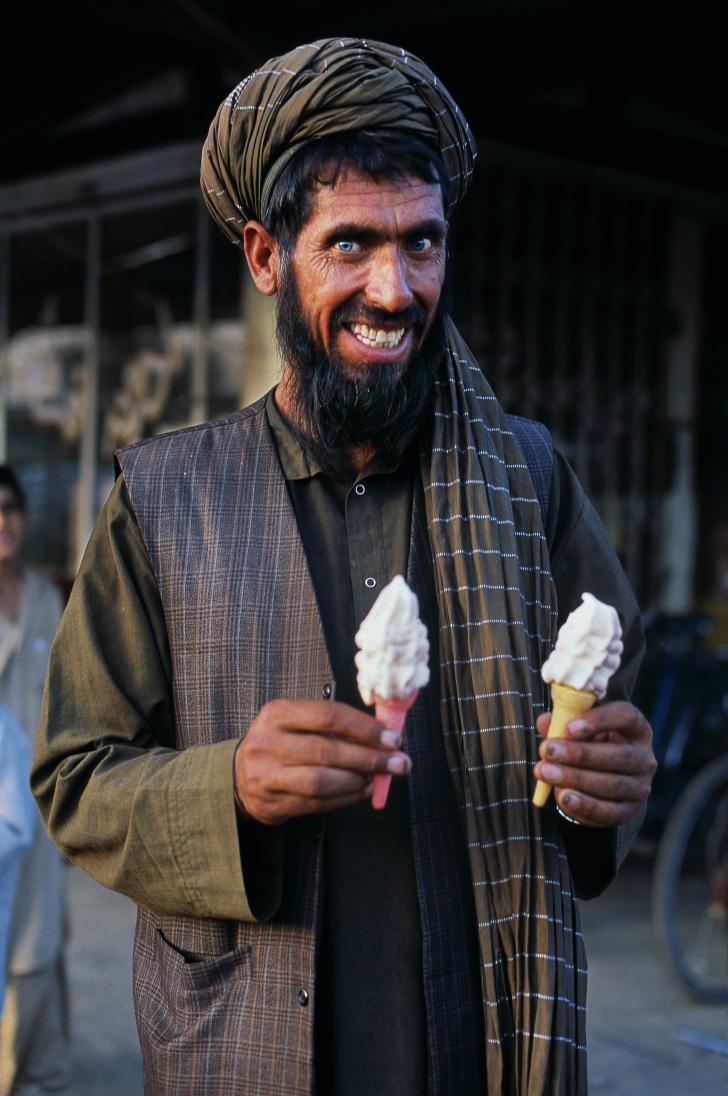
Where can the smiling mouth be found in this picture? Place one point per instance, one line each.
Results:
(377, 337)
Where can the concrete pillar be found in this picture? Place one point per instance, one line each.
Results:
(199, 402)
(4, 340)
(84, 506)
(678, 538)
(261, 364)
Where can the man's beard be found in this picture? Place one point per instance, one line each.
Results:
(333, 415)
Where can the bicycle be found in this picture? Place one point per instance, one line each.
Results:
(684, 689)
(690, 885)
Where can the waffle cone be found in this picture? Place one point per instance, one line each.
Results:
(393, 714)
(567, 704)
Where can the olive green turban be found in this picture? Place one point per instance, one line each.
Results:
(330, 86)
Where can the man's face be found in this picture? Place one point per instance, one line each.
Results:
(13, 526)
(369, 266)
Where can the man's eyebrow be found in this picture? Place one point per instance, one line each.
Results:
(350, 230)
(432, 226)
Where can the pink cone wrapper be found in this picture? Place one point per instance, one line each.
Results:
(392, 713)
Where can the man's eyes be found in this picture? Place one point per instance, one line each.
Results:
(418, 244)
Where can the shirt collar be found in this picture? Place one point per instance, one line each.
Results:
(297, 462)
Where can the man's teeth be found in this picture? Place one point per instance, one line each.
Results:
(376, 336)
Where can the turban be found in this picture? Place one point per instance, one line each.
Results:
(335, 85)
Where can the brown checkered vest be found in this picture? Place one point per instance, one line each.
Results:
(244, 628)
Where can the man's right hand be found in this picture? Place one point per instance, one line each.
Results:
(309, 756)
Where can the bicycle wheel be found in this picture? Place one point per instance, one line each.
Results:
(690, 885)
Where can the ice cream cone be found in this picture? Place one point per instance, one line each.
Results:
(393, 714)
(568, 703)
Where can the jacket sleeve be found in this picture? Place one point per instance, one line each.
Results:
(582, 559)
(155, 823)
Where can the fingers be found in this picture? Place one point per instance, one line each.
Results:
(272, 807)
(617, 717)
(616, 787)
(327, 717)
(319, 784)
(336, 753)
(590, 811)
(543, 723)
(603, 756)
(271, 792)
(602, 770)
(306, 756)
(325, 735)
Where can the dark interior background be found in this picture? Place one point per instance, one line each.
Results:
(598, 125)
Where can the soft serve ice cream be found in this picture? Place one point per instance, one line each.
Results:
(588, 650)
(393, 646)
(391, 662)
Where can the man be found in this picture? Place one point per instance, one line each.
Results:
(204, 749)
(33, 1032)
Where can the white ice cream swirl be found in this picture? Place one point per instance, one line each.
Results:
(393, 646)
(588, 648)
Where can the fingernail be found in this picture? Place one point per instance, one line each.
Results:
(555, 751)
(399, 764)
(390, 738)
(577, 728)
(571, 800)
(551, 773)
(369, 788)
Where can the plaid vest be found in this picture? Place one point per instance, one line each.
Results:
(244, 628)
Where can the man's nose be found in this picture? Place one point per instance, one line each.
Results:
(388, 286)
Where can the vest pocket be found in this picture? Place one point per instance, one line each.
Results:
(202, 972)
(191, 991)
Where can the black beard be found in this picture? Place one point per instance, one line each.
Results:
(383, 408)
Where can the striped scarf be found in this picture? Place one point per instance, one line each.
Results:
(497, 611)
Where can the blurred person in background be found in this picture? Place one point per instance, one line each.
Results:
(34, 1026)
(17, 819)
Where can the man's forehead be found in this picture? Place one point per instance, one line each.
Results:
(356, 196)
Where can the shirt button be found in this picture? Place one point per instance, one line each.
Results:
(303, 997)
(360, 488)
(326, 691)
(370, 582)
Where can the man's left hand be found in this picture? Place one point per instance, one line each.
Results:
(602, 770)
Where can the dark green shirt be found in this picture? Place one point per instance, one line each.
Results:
(356, 538)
